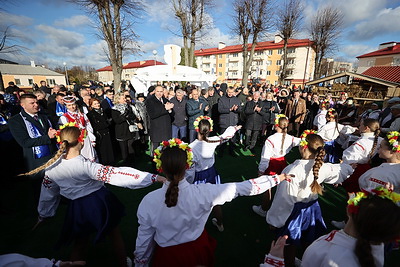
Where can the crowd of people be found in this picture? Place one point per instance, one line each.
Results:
(74, 141)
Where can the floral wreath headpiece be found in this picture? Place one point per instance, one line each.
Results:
(304, 142)
(353, 204)
(330, 112)
(81, 137)
(278, 117)
(394, 141)
(198, 119)
(325, 103)
(174, 142)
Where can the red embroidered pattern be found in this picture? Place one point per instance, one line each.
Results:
(331, 235)
(154, 178)
(377, 181)
(135, 176)
(277, 263)
(104, 173)
(256, 187)
(47, 182)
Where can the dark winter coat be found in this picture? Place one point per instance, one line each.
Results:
(254, 119)
(228, 118)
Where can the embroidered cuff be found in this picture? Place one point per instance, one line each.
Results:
(274, 261)
(154, 178)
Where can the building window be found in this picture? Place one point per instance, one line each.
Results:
(234, 73)
(235, 55)
(290, 61)
(268, 72)
(396, 61)
(126, 75)
(259, 53)
(289, 72)
(277, 73)
(220, 56)
(206, 66)
(30, 81)
(214, 65)
(279, 62)
(206, 57)
(219, 73)
(219, 65)
(269, 52)
(50, 81)
(259, 62)
(280, 51)
(269, 62)
(291, 50)
(17, 81)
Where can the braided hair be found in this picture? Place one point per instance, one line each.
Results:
(316, 147)
(374, 126)
(204, 131)
(69, 136)
(283, 123)
(173, 163)
(377, 221)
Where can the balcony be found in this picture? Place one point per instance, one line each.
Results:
(233, 59)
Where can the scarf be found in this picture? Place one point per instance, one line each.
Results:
(120, 107)
(60, 109)
(99, 110)
(34, 132)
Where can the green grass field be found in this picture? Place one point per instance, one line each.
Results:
(244, 242)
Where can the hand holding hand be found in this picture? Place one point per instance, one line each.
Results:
(51, 133)
(238, 127)
(285, 176)
(278, 246)
(161, 179)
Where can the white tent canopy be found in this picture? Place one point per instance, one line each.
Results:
(147, 76)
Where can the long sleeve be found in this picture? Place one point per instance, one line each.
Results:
(266, 154)
(122, 176)
(49, 198)
(283, 203)
(155, 110)
(353, 154)
(395, 126)
(19, 132)
(223, 193)
(145, 240)
(335, 173)
(19, 260)
(193, 108)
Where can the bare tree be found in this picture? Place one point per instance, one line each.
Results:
(115, 26)
(325, 30)
(191, 15)
(288, 23)
(250, 21)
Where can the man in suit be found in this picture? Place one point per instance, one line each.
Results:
(107, 103)
(34, 133)
(195, 107)
(160, 111)
(296, 112)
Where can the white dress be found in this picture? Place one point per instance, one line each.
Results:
(298, 189)
(358, 152)
(379, 176)
(185, 222)
(336, 249)
(83, 122)
(272, 149)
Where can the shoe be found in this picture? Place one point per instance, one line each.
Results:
(129, 262)
(259, 211)
(215, 223)
(297, 262)
(246, 148)
(338, 224)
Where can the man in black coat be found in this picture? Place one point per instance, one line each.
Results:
(229, 108)
(160, 111)
(107, 103)
(34, 133)
(179, 125)
(254, 117)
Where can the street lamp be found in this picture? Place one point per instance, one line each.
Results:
(155, 57)
(66, 73)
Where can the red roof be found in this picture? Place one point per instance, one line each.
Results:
(384, 51)
(387, 73)
(260, 46)
(135, 65)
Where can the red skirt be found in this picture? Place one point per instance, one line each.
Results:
(199, 252)
(276, 166)
(351, 184)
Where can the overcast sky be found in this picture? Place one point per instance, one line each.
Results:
(55, 31)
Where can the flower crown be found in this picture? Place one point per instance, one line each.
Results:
(171, 143)
(304, 142)
(353, 204)
(81, 137)
(325, 103)
(278, 117)
(198, 119)
(330, 113)
(394, 141)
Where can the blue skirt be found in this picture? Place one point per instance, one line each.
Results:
(304, 225)
(331, 152)
(207, 176)
(98, 212)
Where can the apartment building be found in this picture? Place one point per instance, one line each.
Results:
(227, 62)
(388, 54)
